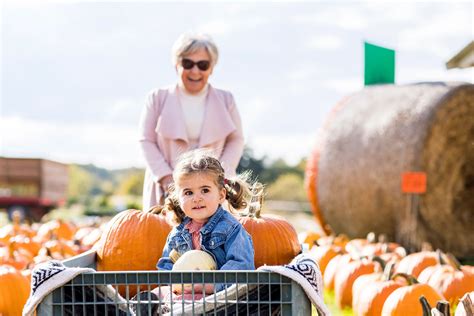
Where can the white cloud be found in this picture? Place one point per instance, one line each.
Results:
(431, 32)
(400, 11)
(347, 17)
(255, 111)
(302, 72)
(230, 25)
(291, 147)
(344, 85)
(123, 109)
(324, 42)
(216, 27)
(111, 146)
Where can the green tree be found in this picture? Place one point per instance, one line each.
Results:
(287, 187)
(80, 182)
(278, 168)
(252, 163)
(132, 184)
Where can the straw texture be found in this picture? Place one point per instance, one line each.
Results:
(382, 131)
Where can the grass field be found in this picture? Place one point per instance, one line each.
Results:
(331, 304)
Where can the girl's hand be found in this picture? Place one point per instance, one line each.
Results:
(164, 292)
(198, 289)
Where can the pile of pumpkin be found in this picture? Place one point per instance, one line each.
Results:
(366, 275)
(370, 277)
(22, 246)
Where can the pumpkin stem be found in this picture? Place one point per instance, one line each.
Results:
(388, 270)
(426, 246)
(382, 262)
(11, 250)
(440, 256)
(452, 261)
(425, 306)
(371, 237)
(443, 307)
(409, 278)
(383, 238)
(468, 304)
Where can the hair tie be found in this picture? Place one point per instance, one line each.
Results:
(226, 181)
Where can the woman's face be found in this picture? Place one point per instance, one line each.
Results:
(195, 79)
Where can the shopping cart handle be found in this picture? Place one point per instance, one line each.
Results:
(83, 260)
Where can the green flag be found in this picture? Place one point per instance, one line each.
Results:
(379, 64)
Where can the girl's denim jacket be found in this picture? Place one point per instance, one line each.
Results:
(223, 237)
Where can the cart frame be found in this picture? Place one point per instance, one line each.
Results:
(290, 299)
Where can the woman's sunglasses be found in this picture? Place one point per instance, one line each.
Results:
(203, 65)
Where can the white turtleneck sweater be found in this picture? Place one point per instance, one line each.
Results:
(193, 106)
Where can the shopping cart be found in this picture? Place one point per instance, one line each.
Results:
(246, 293)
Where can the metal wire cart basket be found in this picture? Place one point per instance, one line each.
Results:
(246, 293)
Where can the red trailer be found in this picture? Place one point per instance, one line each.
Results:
(32, 186)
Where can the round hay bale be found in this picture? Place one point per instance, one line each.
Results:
(371, 138)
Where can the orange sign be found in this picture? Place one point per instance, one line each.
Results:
(414, 182)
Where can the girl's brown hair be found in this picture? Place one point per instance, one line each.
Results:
(238, 190)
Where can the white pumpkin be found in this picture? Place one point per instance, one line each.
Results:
(192, 260)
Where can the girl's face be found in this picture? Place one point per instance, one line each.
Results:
(199, 196)
(195, 79)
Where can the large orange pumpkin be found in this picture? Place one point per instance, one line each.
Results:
(405, 300)
(133, 240)
(14, 291)
(275, 241)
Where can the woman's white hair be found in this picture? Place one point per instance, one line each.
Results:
(188, 43)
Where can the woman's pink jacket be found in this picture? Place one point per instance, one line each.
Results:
(163, 135)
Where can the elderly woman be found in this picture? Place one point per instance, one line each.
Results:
(187, 115)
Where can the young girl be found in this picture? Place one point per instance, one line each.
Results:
(194, 207)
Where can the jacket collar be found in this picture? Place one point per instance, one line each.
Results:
(217, 123)
(211, 223)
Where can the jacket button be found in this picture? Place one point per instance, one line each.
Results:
(212, 243)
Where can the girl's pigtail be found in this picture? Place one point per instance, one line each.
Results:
(170, 210)
(239, 192)
(235, 195)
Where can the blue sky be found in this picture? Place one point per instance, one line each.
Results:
(74, 75)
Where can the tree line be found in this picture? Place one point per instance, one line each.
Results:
(96, 187)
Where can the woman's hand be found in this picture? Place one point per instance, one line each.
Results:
(165, 182)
